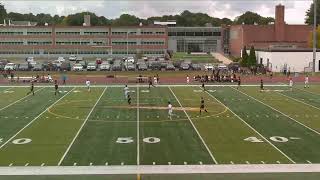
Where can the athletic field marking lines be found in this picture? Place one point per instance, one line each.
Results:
(253, 129)
(84, 122)
(138, 128)
(19, 99)
(279, 112)
(299, 101)
(308, 91)
(33, 120)
(213, 158)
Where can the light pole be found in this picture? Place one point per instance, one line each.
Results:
(314, 34)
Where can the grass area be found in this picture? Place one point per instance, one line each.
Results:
(242, 126)
(195, 58)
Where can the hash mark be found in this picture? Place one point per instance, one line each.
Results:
(169, 163)
(106, 163)
(10, 164)
(185, 163)
(154, 163)
(247, 162)
(90, 164)
(278, 162)
(309, 162)
(231, 162)
(122, 163)
(42, 164)
(200, 162)
(74, 164)
(26, 164)
(262, 162)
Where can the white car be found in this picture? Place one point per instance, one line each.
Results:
(105, 66)
(30, 59)
(10, 66)
(60, 59)
(77, 67)
(222, 67)
(129, 60)
(208, 67)
(91, 67)
(72, 58)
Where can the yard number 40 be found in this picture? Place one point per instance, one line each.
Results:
(127, 140)
(273, 138)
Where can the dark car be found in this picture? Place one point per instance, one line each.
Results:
(196, 67)
(234, 66)
(116, 67)
(142, 67)
(184, 66)
(170, 67)
(37, 67)
(154, 65)
(65, 66)
(24, 67)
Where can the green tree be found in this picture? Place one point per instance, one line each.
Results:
(311, 38)
(251, 18)
(3, 13)
(252, 60)
(245, 57)
(310, 14)
(126, 20)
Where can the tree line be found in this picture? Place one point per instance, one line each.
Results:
(186, 18)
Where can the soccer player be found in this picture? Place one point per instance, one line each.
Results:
(290, 84)
(306, 82)
(261, 85)
(204, 88)
(188, 80)
(150, 82)
(31, 89)
(169, 109)
(129, 99)
(239, 82)
(88, 85)
(56, 87)
(126, 91)
(155, 80)
(202, 106)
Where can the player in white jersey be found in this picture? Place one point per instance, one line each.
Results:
(306, 82)
(126, 91)
(169, 109)
(188, 80)
(88, 85)
(290, 84)
(155, 80)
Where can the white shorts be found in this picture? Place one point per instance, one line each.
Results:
(170, 112)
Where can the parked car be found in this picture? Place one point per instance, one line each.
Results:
(130, 67)
(65, 66)
(129, 60)
(23, 67)
(32, 63)
(170, 67)
(29, 59)
(234, 66)
(72, 57)
(91, 66)
(83, 63)
(104, 66)
(142, 67)
(222, 67)
(37, 67)
(116, 67)
(154, 65)
(184, 66)
(1, 67)
(196, 67)
(10, 66)
(60, 59)
(208, 67)
(77, 67)
(98, 60)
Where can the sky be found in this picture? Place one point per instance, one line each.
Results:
(295, 9)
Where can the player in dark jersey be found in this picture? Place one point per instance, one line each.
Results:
(261, 85)
(203, 87)
(56, 87)
(31, 89)
(202, 106)
(150, 82)
(239, 82)
(129, 99)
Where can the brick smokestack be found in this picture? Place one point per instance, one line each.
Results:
(280, 24)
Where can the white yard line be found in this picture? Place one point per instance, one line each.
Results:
(279, 112)
(84, 122)
(160, 169)
(307, 91)
(138, 128)
(34, 120)
(19, 99)
(194, 127)
(252, 128)
(299, 101)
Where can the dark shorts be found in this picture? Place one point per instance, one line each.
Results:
(202, 107)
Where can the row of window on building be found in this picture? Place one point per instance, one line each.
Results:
(37, 52)
(194, 33)
(77, 33)
(81, 43)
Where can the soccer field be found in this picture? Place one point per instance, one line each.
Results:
(99, 128)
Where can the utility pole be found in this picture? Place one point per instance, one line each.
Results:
(314, 35)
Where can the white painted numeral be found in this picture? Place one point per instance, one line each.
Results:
(253, 139)
(1, 140)
(197, 91)
(151, 140)
(279, 139)
(124, 140)
(21, 141)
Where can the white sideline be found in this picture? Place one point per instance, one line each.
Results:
(138, 128)
(160, 169)
(34, 119)
(19, 99)
(252, 128)
(84, 122)
(315, 131)
(204, 143)
(164, 85)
